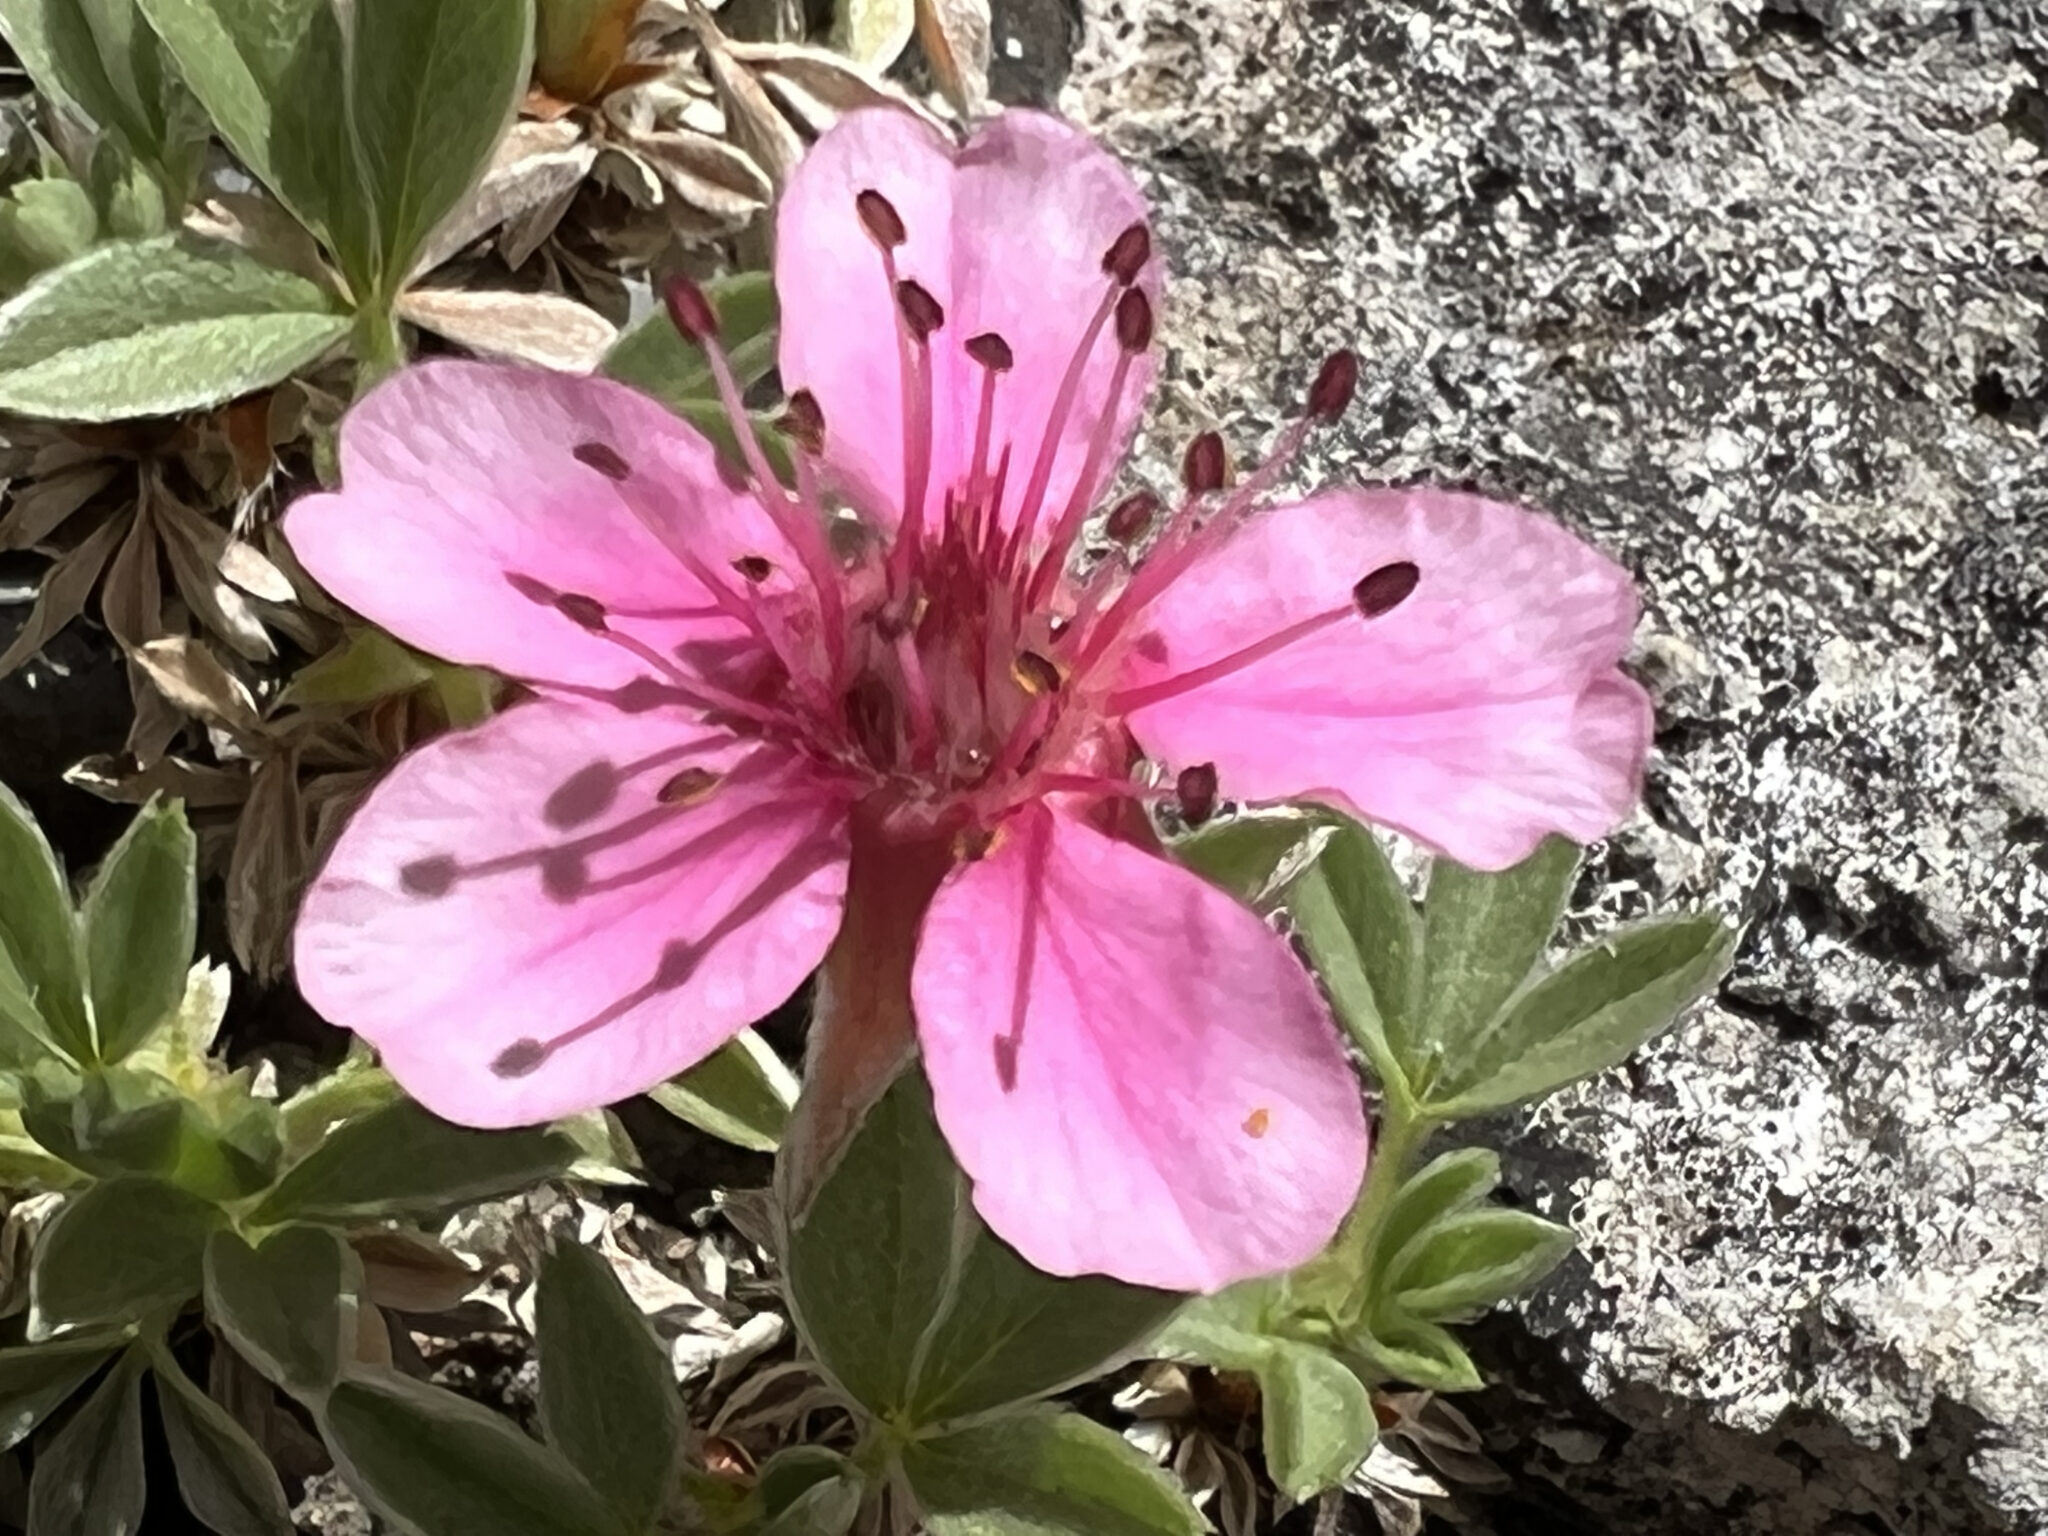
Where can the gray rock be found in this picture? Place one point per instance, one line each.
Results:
(1754, 294)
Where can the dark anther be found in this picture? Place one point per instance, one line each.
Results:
(1337, 381)
(1384, 590)
(879, 218)
(533, 591)
(678, 963)
(1129, 519)
(1134, 321)
(803, 422)
(604, 459)
(1035, 675)
(689, 310)
(581, 610)
(1006, 1063)
(900, 615)
(563, 874)
(1195, 790)
(693, 786)
(584, 796)
(732, 474)
(921, 312)
(1127, 257)
(431, 876)
(755, 568)
(1206, 466)
(992, 352)
(519, 1058)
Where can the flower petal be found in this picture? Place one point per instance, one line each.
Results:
(472, 491)
(1135, 1071)
(1009, 235)
(636, 888)
(1478, 712)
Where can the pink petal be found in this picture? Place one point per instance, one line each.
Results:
(1008, 234)
(1479, 713)
(546, 876)
(1134, 1070)
(470, 491)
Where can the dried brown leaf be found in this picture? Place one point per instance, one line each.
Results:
(407, 1273)
(132, 597)
(536, 164)
(195, 547)
(157, 723)
(66, 586)
(245, 424)
(707, 174)
(816, 87)
(192, 677)
(40, 507)
(544, 328)
(268, 867)
(753, 122)
(373, 1336)
(255, 572)
(201, 787)
(955, 35)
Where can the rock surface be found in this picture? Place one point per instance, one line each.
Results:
(1755, 294)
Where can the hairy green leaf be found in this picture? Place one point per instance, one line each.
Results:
(227, 1481)
(141, 921)
(118, 1251)
(288, 1306)
(1044, 1473)
(89, 1479)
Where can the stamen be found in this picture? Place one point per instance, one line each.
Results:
(1134, 337)
(1210, 672)
(1330, 396)
(1384, 590)
(1129, 519)
(582, 611)
(1035, 675)
(1055, 431)
(921, 312)
(1127, 256)
(603, 458)
(992, 352)
(879, 218)
(754, 569)
(920, 315)
(1206, 465)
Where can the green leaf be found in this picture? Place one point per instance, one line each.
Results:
(288, 1307)
(273, 77)
(24, 1033)
(1043, 1474)
(1317, 1414)
(46, 223)
(36, 1378)
(1256, 855)
(1362, 935)
(118, 1251)
(654, 358)
(38, 929)
(432, 88)
(1009, 1333)
(1454, 1182)
(141, 921)
(1459, 1265)
(795, 1470)
(868, 1258)
(1402, 1348)
(873, 33)
(1318, 1419)
(402, 1158)
(1590, 1014)
(1483, 935)
(824, 1509)
(608, 1400)
(227, 1481)
(439, 1465)
(155, 327)
(741, 1093)
(96, 55)
(921, 1314)
(368, 665)
(89, 1479)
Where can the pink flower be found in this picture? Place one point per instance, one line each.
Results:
(757, 721)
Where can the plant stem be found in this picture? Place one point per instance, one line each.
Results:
(379, 348)
(1337, 1280)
